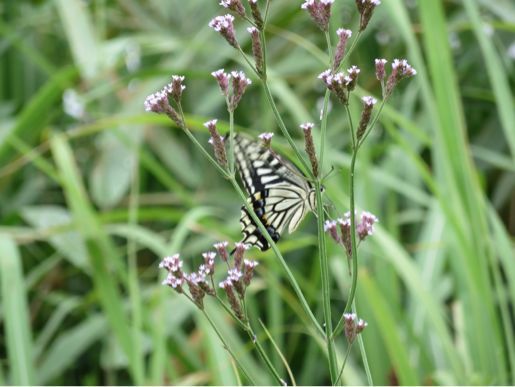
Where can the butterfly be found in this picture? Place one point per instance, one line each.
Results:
(278, 192)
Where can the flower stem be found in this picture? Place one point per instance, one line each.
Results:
(326, 284)
(231, 142)
(347, 353)
(220, 337)
(263, 354)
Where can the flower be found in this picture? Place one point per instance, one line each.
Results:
(224, 25)
(366, 8)
(223, 81)
(173, 264)
(320, 12)
(266, 138)
(239, 250)
(217, 142)
(256, 14)
(400, 69)
(380, 72)
(248, 270)
(257, 52)
(221, 248)
(366, 226)
(239, 85)
(330, 226)
(339, 53)
(234, 5)
(368, 106)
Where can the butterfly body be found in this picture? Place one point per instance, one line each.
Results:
(278, 192)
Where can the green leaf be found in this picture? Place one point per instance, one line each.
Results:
(16, 315)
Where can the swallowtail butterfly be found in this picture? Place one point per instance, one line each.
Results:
(278, 192)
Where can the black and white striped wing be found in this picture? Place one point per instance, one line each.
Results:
(277, 191)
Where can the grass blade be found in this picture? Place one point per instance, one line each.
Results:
(16, 314)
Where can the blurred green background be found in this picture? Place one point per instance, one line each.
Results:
(94, 191)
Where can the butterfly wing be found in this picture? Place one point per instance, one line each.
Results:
(277, 191)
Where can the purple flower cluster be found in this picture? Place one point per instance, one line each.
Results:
(201, 282)
(239, 83)
(159, 102)
(320, 12)
(401, 69)
(340, 229)
(353, 326)
(341, 84)
(366, 8)
(224, 26)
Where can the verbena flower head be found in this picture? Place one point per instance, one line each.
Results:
(223, 81)
(224, 25)
(366, 114)
(221, 248)
(400, 69)
(320, 12)
(159, 102)
(266, 138)
(380, 71)
(176, 88)
(234, 5)
(339, 53)
(217, 142)
(240, 82)
(174, 282)
(256, 14)
(353, 326)
(330, 227)
(337, 83)
(309, 145)
(344, 224)
(257, 52)
(352, 79)
(366, 8)
(239, 251)
(366, 225)
(248, 270)
(173, 264)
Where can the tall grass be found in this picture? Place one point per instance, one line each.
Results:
(90, 202)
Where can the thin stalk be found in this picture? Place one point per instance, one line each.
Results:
(226, 346)
(206, 154)
(364, 357)
(323, 129)
(263, 354)
(353, 234)
(289, 274)
(326, 284)
(231, 142)
(347, 353)
(249, 62)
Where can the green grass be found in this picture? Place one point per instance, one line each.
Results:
(89, 205)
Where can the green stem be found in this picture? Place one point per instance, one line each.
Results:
(263, 354)
(289, 274)
(349, 347)
(235, 358)
(231, 142)
(206, 154)
(323, 129)
(353, 234)
(326, 284)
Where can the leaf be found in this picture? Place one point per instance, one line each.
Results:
(69, 243)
